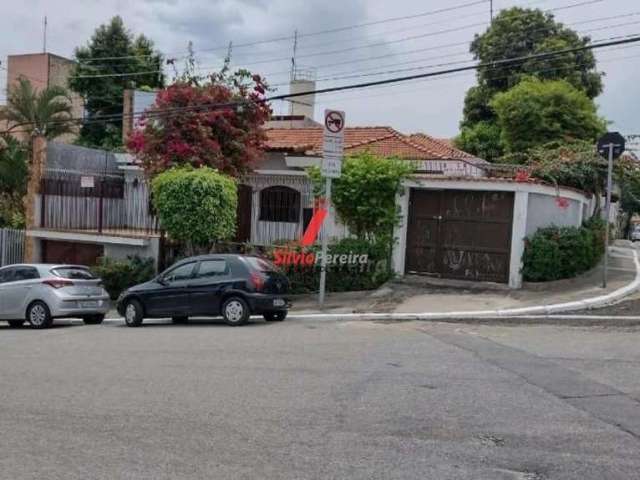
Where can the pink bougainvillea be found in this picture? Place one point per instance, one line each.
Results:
(217, 125)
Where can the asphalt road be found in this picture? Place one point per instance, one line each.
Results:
(320, 400)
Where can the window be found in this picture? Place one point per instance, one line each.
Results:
(73, 273)
(25, 273)
(260, 264)
(280, 204)
(183, 272)
(212, 269)
(7, 275)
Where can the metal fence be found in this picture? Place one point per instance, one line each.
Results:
(105, 205)
(11, 246)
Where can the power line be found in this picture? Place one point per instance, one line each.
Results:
(614, 41)
(319, 32)
(343, 50)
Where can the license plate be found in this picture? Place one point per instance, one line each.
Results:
(89, 304)
(279, 302)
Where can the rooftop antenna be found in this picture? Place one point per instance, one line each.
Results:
(44, 36)
(293, 58)
(491, 10)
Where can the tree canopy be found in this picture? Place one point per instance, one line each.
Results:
(535, 112)
(100, 78)
(13, 181)
(520, 32)
(216, 124)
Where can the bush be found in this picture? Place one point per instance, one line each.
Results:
(342, 278)
(196, 206)
(118, 275)
(554, 253)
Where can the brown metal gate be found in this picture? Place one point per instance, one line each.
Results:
(460, 234)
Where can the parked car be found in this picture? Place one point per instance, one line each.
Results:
(233, 286)
(635, 233)
(39, 293)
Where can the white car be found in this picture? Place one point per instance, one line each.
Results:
(38, 293)
(634, 236)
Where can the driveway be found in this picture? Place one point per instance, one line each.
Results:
(319, 400)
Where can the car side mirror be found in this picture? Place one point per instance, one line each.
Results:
(162, 281)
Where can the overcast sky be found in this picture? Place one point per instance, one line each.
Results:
(427, 40)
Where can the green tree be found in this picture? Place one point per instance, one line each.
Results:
(518, 32)
(46, 112)
(482, 138)
(365, 194)
(13, 181)
(536, 112)
(196, 206)
(98, 78)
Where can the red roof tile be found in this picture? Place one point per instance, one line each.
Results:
(384, 141)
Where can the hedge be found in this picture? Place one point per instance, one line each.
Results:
(554, 253)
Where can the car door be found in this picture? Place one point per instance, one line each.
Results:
(6, 275)
(16, 291)
(211, 277)
(171, 298)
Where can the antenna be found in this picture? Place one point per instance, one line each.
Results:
(44, 36)
(491, 9)
(293, 58)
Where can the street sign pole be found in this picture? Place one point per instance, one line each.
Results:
(610, 145)
(333, 147)
(607, 213)
(325, 243)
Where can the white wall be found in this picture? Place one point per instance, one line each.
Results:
(544, 211)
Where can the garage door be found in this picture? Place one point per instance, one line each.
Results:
(460, 234)
(71, 252)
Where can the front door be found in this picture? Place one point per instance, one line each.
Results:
(211, 278)
(423, 233)
(243, 214)
(171, 298)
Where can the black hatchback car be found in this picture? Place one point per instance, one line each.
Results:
(234, 286)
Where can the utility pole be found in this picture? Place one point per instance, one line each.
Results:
(44, 36)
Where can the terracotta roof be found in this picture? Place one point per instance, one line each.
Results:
(384, 141)
(442, 146)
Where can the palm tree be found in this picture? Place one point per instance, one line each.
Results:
(46, 112)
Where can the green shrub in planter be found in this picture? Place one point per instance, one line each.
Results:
(118, 275)
(554, 253)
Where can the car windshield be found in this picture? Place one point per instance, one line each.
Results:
(261, 264)
(73, 273)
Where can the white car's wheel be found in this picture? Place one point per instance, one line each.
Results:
(39, 315)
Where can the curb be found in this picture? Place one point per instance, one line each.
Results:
(537, 311)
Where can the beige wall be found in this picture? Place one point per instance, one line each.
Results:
(43, 70)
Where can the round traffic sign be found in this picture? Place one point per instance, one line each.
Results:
(334, 121)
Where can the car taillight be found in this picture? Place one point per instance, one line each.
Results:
(58, 283)
(257, 280)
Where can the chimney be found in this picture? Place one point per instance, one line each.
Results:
(303, 80)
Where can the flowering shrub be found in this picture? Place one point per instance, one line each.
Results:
(218, 125)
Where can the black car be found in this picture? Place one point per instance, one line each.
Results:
(234, 286)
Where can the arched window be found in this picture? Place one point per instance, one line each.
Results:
(280, 204)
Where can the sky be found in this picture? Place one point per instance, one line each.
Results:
(369, 37)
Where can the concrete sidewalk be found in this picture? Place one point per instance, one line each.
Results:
(420, 295)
